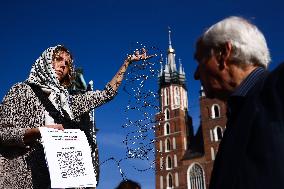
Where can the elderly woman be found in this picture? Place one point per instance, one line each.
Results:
(43, 101)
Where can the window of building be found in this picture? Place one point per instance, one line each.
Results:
(195, 177)
(161, 146)
(215, 111)
(218, 133)
(167, 128)
(169, 162)
(167, 114)
(168, 145)
(169, 181)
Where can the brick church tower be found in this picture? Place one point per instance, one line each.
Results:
(184, 160)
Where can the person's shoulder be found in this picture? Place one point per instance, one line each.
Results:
(277, 74)
(274, 81)
(281, 65)
(19, 87)
(279, 68)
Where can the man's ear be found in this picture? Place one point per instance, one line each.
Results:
(224, 55)
(227, 50)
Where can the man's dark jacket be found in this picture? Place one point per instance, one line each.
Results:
(251, 153)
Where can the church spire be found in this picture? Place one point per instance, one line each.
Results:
(180, 67)
(171, 55)
(170, 40)
(169, 74)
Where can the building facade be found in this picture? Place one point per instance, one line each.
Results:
(184, 160)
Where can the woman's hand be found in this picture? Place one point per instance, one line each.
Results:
(56, 126)
(117, 79)
(31, 135)
(137, 56)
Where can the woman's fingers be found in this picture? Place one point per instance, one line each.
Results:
(137, 56)
(55, 126)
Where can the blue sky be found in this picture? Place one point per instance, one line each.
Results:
(101, 33)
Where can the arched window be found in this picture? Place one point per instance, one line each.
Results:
(218, 133)
(168, 145)
(169, 181)
(167, 128)
(195, 177)
(169, 162)
(166, 94)
(177, 96)
(167, 114)
(215, 111)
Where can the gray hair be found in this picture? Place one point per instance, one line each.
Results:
(248, 43)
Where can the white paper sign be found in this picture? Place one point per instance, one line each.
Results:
(68, 158)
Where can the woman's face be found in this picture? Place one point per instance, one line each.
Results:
(61, 64)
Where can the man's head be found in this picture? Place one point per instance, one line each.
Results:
(226, 53)
(128, 184)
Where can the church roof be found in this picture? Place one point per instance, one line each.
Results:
(169, 73)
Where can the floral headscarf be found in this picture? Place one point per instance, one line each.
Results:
(43, 75)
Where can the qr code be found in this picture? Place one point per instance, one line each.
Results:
(71, 164)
